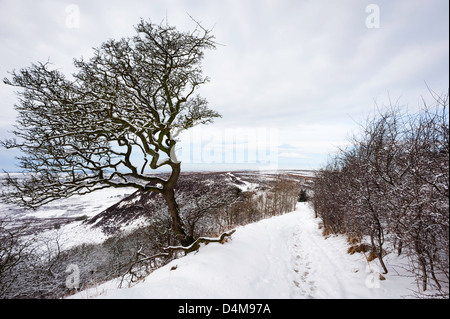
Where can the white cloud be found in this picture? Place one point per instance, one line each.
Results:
(311, 69)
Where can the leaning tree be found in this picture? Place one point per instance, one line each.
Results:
(114, 121)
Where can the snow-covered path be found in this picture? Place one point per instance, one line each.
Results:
(323, 268)
(280, 257)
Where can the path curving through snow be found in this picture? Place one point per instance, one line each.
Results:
(282, 257)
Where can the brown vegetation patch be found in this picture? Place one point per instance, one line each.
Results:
(361, 248)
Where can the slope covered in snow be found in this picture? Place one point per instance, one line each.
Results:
(283, 257)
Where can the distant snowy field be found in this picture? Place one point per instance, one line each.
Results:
(89, 204)
(63, 213)
(277, 258)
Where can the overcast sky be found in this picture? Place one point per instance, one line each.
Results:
(294, 76)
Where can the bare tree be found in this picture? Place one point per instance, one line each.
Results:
(115, 120)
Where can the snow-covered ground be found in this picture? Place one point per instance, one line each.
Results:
(283, 257)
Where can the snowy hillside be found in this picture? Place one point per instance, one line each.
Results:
(280, 257)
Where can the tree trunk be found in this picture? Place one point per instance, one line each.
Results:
(380, 258)
(380, 253)
(169, 195)
(400, 247)
(177, 224)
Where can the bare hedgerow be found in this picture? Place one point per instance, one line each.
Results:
(14, 254)
(391, 186)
